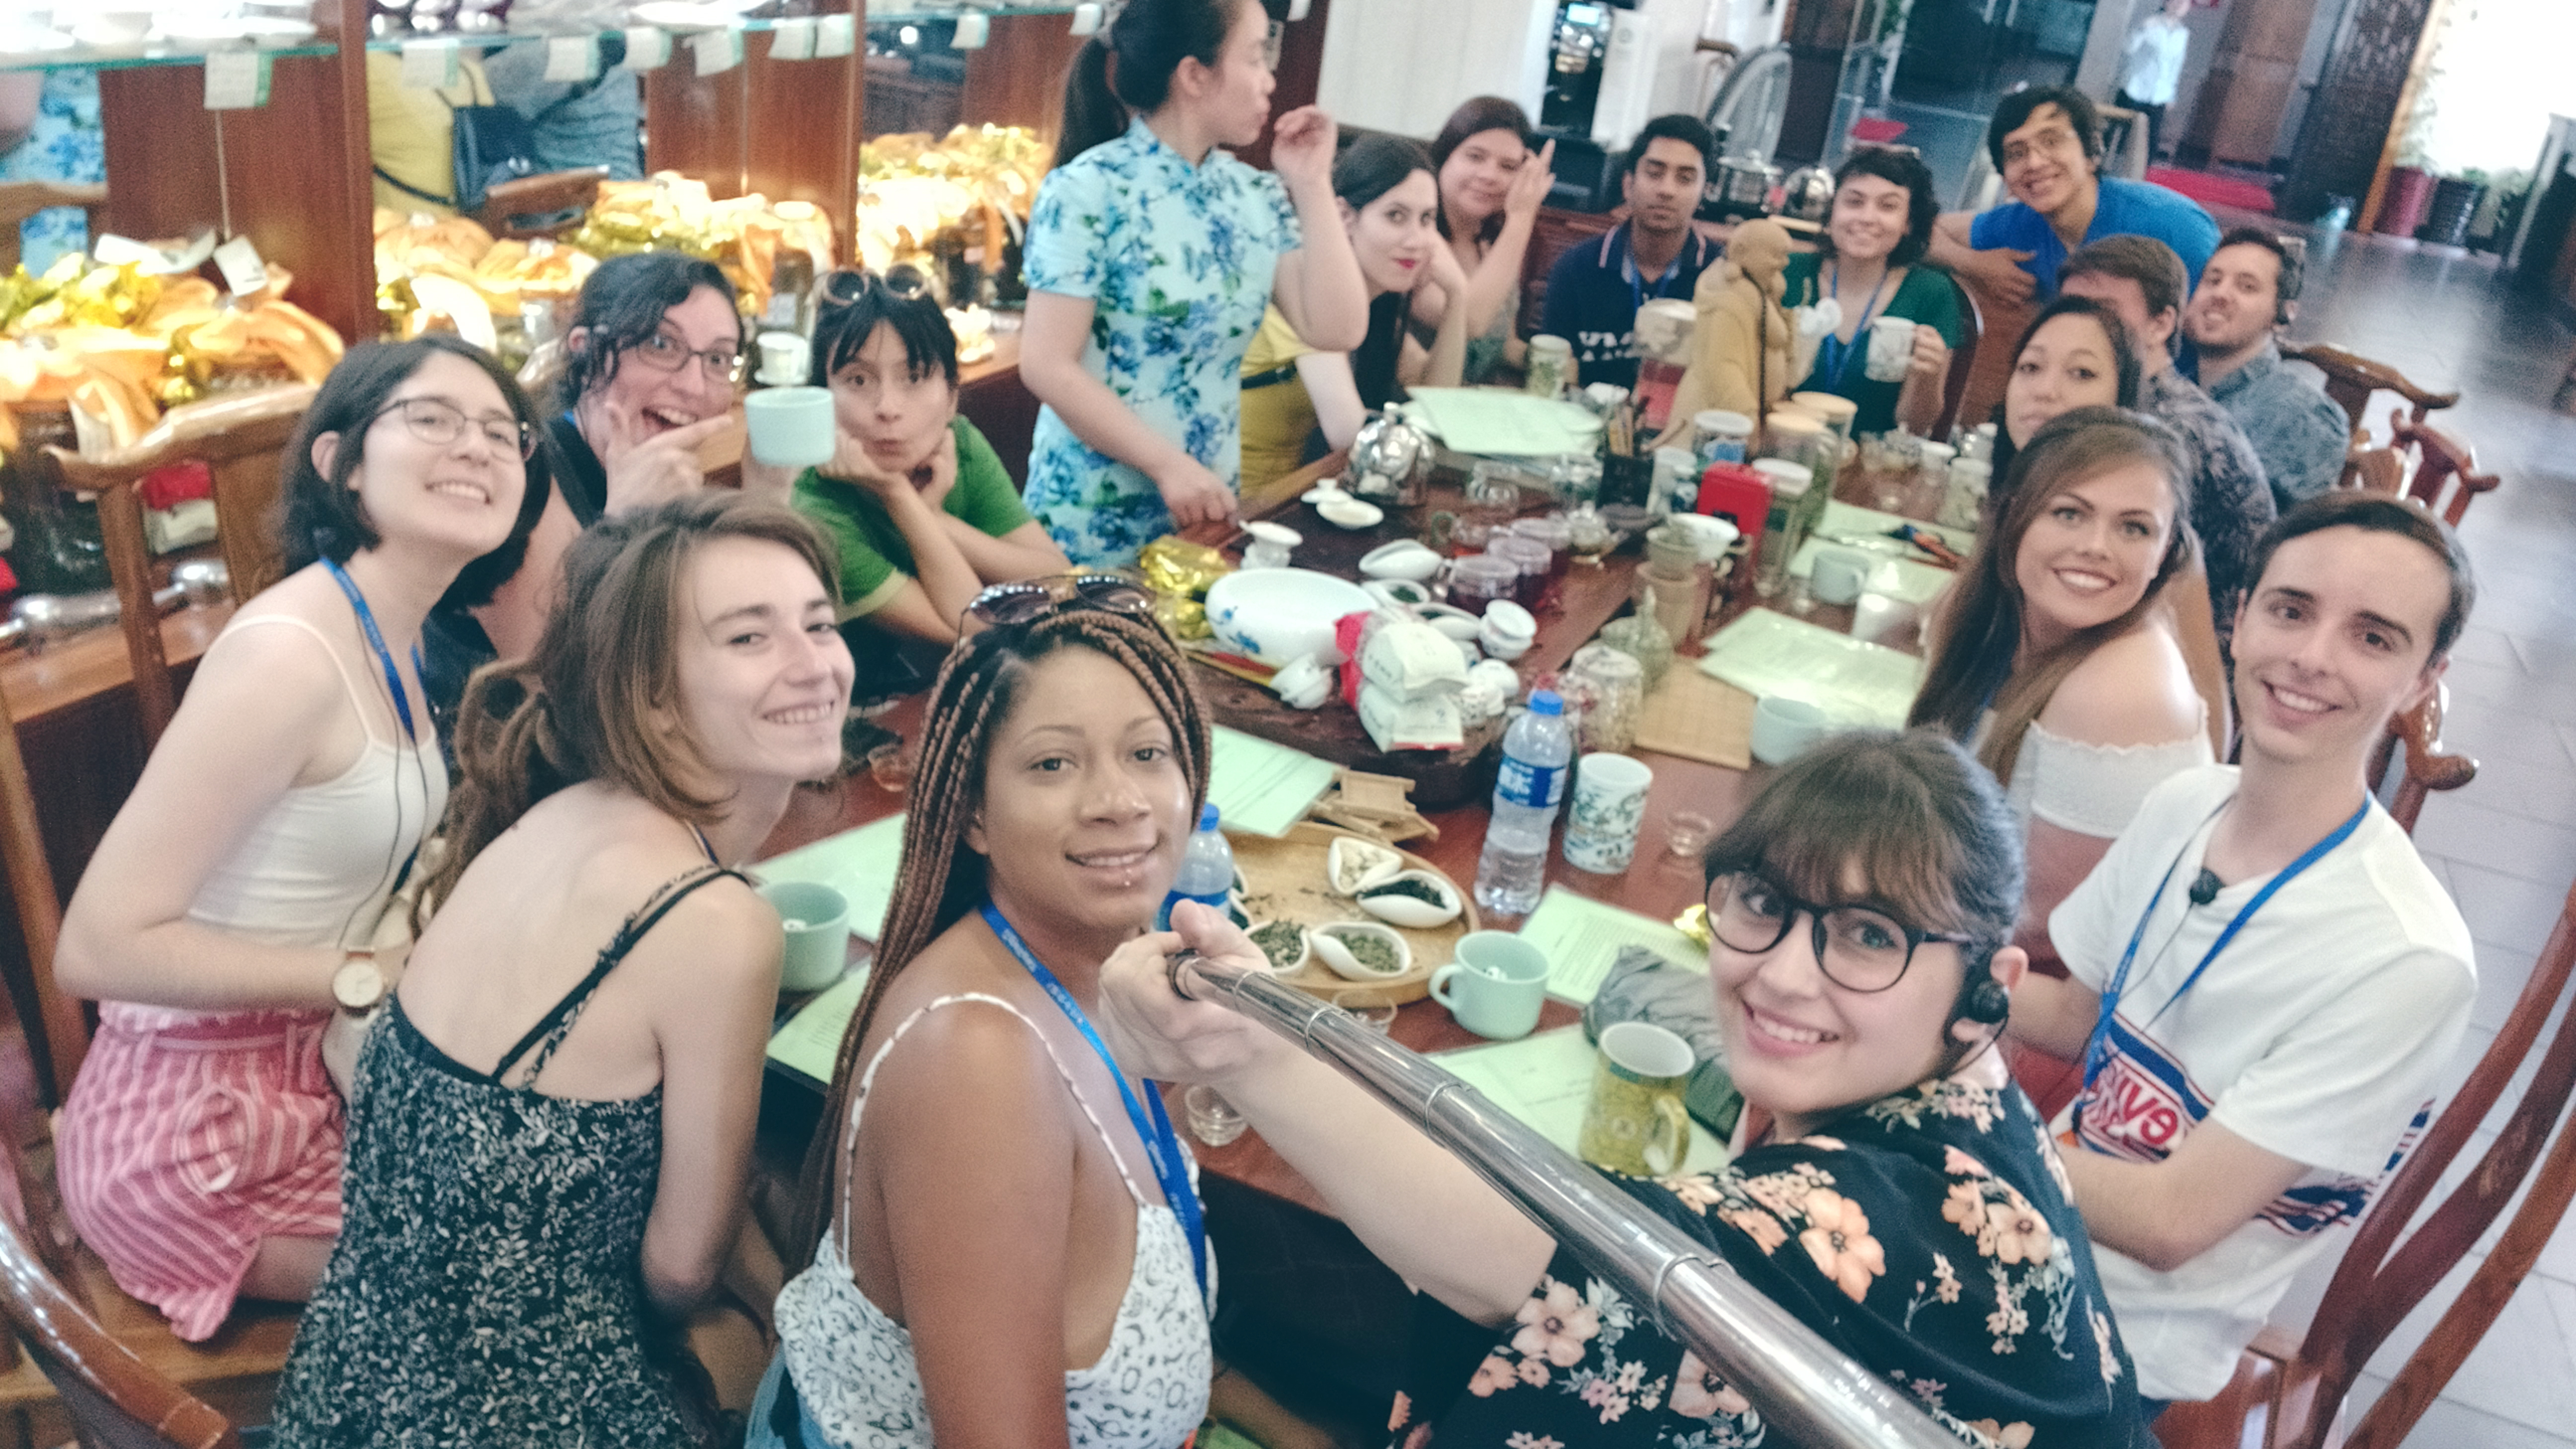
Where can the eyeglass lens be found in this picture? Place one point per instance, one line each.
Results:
(438, 422)
(1859, 948)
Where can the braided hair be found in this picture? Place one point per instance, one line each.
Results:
(942, 879)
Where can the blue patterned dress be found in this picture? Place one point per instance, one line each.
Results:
(1178, 261)
(66, 145)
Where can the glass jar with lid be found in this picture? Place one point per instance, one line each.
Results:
(1612, 686)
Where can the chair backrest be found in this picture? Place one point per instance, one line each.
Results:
(241, 440)
(20, 200)
(2427, 766)
(2445, 476)
(1963, 360)
(59, 1034)
(1553, 232)
(2351, 378)
(544, 205)
(2124, 142)
(2382, 1278)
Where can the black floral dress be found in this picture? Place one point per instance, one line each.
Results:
(1928, 1235)
(487, 1288)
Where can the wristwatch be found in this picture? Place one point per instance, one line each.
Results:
(360, 983)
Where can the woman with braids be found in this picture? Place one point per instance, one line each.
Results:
(238, 891)
(551, 1125)
(2075, 654)
(1005, 1234)
(648, 374)
(1150, 256)
(1905, 1201)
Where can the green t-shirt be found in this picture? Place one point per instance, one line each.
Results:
(1925, 295)
(875, 561)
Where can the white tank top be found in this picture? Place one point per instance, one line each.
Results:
(317, 869)
(854, 1368)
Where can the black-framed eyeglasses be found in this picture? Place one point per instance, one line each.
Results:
(439, 422)
(848, 286)
(666, 352)
(1860, 947)
(1028, 600)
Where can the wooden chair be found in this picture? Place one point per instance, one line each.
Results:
(20, 200)
(241, 440)
(2288, 1392)
(546, 205)
(2351, 378)
(1963, 360)
(2444, 475)
(2415, 749)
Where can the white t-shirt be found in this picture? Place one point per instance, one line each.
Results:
(2317, 1034)
(2155, 60)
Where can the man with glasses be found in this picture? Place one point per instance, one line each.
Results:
(2266, 981)
(2047, 143)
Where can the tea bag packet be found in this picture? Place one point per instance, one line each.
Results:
(1429, 722)
(1408, 660)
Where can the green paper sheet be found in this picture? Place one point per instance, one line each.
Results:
(860, 864)
(1851, 521)
(1857, 685)
(1545, 1081)
(1260, 788)
(1582, 937)
(1500, 422)
(810, 1042)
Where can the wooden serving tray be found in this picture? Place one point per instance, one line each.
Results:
(1284, 880)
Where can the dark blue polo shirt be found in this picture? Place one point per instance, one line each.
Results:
(1594, 291)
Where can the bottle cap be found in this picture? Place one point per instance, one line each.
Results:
(1207, 816)
(1546, 702)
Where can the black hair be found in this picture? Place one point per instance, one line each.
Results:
(1376, 164)
(2294, 267)
(1474, 117)
(1670, 128)
(1898, 166)
(2127, 374)
(842, 328)
(1921, 821)
(622, 305)
(1148, 41)
(321, 516)
(2378, 513)
(2013, 112)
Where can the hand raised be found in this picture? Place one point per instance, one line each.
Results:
(1530, 184)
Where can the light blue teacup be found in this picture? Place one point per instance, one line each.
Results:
(1494, 984)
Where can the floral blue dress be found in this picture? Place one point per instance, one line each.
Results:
(1178, 261)
(66, 145)
(1930, 1237)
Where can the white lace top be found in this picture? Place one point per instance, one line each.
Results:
(2095, 789)
(854, 1368)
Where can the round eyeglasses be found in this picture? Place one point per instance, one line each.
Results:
(666, 352)
(440, 422)
(1859, 947)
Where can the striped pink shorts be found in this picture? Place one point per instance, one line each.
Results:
(183, 1147)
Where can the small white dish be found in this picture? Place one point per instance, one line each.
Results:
(1451, 620)
(1402, 559)
(1398, 593)
(1352, 865)
(1326, 943)
(1323, 493)
(1405, 910)
(1351, 513)
(1278, 533)
(1510, 620)
(1713, 535)
(1292, 962)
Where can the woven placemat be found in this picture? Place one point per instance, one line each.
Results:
(1698, 718)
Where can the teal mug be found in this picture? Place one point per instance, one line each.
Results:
(1494, 984)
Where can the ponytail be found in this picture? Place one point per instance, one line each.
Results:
(1149, 40)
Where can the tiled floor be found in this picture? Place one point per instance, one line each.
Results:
(2506, 844)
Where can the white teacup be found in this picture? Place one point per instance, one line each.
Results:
(1508, 630)
(1783, 728)
(1891, 348)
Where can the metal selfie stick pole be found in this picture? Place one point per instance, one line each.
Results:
(1801, 1384)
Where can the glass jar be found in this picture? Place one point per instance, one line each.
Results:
(1613, 688)
(1673, 585)
(1480, 579)
(1530, 557)
(1837, 411)
(1556, 534)
(1574, 479)
(1963, 503)
(1493, 499)
(1792, 485)
(1642, 637)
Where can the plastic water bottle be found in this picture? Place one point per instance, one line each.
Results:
(1207, 870)
(1527, 790)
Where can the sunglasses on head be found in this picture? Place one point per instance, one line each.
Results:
(851, 285)
(1028, 600)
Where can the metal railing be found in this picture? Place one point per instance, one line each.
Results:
(1802, 1385)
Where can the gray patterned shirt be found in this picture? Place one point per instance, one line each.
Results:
(2230, 503)
(2298, 432)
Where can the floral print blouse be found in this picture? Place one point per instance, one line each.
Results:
(66, 145)
(1930, 1237)
(1178, 261)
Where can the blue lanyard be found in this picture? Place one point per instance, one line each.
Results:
(1162, 1145)
(1834, 355)
(376, 641)
(2097, 1048)
(1629, 273)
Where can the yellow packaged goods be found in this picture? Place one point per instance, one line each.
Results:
(1179, 572)
(974, 186)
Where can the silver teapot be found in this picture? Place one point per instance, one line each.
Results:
(1391, 458)
(1808, 194)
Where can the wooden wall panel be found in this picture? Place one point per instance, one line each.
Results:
(2349, 118)
(801, 132)
(1017, 79)
(693, 124)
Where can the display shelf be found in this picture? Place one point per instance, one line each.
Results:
(78, 58)
(915, 13)
(494, 39)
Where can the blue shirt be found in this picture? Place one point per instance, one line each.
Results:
(2126, 208)
(2300, 433)
(1177, 261)
(1594, 291)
